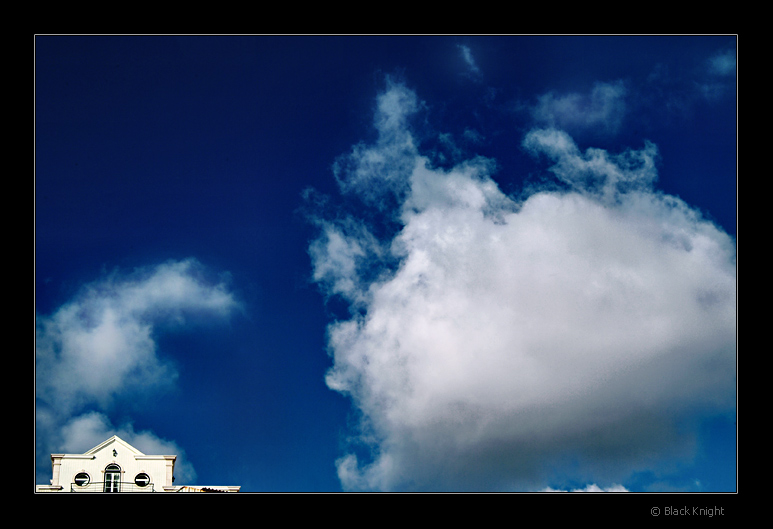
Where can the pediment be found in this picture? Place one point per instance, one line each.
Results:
(112, 444)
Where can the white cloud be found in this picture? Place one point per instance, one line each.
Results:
(591, 488)
(102, 343)
(603, 109)
(101, 346)
(500, 337)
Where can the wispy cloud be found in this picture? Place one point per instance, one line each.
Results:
(377, 173)
(603, 109)
(101, 347)
(722, 64)
(606, 176)
(469, 60)
(493, 338)
(678, 92)
(721, 69)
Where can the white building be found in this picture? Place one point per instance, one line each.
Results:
(116, 466)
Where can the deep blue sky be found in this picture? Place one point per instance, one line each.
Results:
(158, 149)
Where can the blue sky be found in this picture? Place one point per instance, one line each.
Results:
(390, 263)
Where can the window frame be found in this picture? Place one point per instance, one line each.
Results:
(113, 482)
(85, 482)
(142, 476)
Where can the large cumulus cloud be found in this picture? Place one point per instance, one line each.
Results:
(493, 339)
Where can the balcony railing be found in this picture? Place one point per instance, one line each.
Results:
(123, 486)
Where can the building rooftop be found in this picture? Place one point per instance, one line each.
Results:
(116, 466)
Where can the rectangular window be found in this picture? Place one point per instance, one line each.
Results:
(111, 481)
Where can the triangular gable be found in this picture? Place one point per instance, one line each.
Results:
(113, 441)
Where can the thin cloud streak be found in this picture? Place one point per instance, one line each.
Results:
(469, 60)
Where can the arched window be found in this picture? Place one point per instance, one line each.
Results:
(112, 478)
